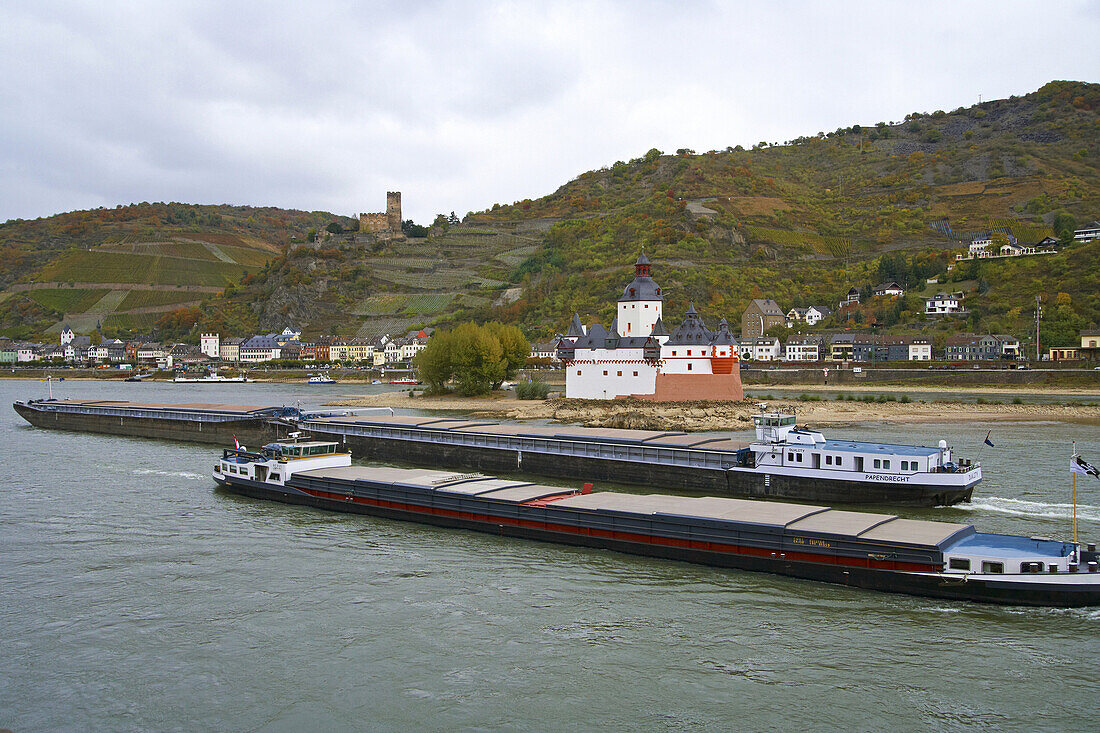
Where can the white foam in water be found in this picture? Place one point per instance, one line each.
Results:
(1021, 508)
(180, 474)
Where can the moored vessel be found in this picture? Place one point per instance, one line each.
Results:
(211, 378)
(320, 379)
(874, 551)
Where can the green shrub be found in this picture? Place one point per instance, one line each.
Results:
(534, 389)
(1017, 401)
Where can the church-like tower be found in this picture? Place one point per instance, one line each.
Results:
(641, 302)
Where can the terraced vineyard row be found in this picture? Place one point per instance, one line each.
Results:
(834, 246)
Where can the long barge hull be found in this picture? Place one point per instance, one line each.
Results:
(212, 424)
(911, 571)
(581, 455)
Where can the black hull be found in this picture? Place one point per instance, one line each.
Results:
(915, 584)
(247, 430)
(743, 483)
(735, 482)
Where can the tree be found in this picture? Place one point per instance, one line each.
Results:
(478, 359)
(514, 345)
(334, 228)
(434, 363)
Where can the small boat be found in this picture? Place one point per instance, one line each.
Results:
(405, 380)
(138, 377)
(211, 378)
(873, 551)
(376, 381)
(320, 379)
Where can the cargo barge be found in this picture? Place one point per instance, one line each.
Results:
(198, 422)
(873, 551)
(785, 462)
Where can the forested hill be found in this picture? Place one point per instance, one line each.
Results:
(804, 220)
(800, 222)
(121, 270)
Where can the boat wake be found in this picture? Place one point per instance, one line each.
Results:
(178, 474)
(1021, 508)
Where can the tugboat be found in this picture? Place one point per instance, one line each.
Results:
(874, 551)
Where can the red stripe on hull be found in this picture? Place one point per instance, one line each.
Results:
(627, 536)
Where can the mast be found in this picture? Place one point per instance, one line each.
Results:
(1074, 495)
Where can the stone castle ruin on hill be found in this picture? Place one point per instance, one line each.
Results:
(384, 225)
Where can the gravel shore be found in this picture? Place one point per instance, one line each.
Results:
(707, 416)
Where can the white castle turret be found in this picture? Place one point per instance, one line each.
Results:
(640, 305)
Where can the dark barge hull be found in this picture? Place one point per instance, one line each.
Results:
(894, 581)
(723, 482)
(247, 430)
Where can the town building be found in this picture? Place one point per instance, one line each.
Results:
(1089, 350)
(890, 288)
(760, 348)
(840, 346)
(638, 357)
(1064, 353)
(230, 348)
(943, 304)
(210, 344)
(761, 315)
(1087, 233)
(260, 348)
(809, 347)
(990, 347)
(891, 347)
(852, 298)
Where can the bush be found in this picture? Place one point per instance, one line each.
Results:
(905, 398)
(533, 389)
(1017, 401)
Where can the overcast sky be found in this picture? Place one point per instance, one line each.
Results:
(327, 105)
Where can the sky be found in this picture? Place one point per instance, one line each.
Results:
(459, 105)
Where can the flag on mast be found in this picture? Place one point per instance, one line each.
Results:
(1077, 464)
(236, 443)
(987, 440)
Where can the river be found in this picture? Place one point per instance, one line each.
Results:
(138, 596)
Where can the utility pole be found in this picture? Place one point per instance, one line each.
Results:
(1038, 315)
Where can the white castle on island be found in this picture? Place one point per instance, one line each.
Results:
(638, 357)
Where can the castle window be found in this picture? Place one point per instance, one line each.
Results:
(618, 374)
(635, 374)
(674, 353)
(578, 372)
(632, 291)
(689, 366)
(605, 372)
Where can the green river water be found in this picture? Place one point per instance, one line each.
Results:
(135, 595)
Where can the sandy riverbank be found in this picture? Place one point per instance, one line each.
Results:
(694, 416)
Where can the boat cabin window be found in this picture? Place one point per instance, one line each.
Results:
(988, 566)
(959, 563)
(886, 464)
(839, 460)
(774, 422)
(1031, 567)
(828, 460)
(878, 463)
(275, 477)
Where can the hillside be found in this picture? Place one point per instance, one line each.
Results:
(803, 221)
(799, 222)
(123, 269)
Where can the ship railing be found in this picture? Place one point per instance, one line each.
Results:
(690, 457)
(147, 412)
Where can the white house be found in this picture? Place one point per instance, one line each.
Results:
(210, 344)
(260, 348)
(804, 348)
(943, 304)
(815, 314)
(66, 335)
(760, 348)
(1087, 233)
(638, 356)
(888, 288)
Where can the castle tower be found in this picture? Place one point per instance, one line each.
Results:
(393, 211)
(641, 302)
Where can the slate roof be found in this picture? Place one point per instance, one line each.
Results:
(692, 331)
